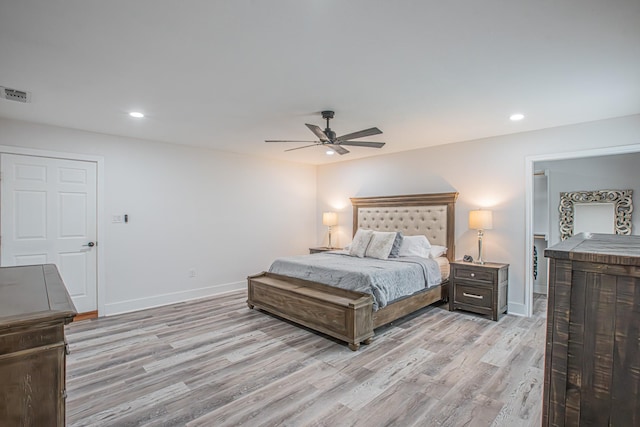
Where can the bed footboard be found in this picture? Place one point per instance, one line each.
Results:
(342, 314)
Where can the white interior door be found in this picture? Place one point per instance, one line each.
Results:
(48, 216)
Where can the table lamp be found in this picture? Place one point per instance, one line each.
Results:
(480, 220)
(329, 219)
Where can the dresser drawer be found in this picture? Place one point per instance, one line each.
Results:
(473, 274)
(477, 296)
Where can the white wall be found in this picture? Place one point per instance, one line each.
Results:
(616, 172)
(226, 215)
(229, 215)
(487, 173)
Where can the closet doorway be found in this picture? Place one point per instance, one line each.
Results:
(51, 206)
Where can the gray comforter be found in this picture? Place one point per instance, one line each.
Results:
(386, 280)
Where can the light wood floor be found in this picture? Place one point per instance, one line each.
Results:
(214, 362)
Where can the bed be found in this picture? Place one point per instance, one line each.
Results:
(351, 315)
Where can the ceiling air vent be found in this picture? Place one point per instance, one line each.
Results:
(14, 95)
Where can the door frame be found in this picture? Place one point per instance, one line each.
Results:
(528, 171)
(100, 217)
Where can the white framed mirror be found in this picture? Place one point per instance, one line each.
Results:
(600, 211)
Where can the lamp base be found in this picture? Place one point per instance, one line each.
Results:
(479, 260)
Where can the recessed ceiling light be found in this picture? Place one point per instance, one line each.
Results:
(515, 117)
(330, 152)
(136, 114)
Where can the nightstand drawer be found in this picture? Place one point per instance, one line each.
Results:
(477, 296)
(474, 274)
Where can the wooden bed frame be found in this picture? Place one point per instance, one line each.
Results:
(349, 315)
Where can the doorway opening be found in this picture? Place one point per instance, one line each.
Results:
(540, 163)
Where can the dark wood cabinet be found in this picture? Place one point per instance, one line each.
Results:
(322, 249)
(34, 307)
(480, 288)
(592, 355)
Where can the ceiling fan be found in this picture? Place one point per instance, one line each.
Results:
(328, 137)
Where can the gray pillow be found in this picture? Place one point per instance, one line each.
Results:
(381, 244)
(395, 249)
(360, 243)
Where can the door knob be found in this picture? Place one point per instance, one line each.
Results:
(90, 244)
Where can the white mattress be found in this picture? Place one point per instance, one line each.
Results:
(443, 263)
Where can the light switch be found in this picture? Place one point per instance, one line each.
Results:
(116, 219)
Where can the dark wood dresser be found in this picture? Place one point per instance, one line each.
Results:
(592, 359)
(34, 307)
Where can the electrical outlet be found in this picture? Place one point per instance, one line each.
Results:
(192, 272)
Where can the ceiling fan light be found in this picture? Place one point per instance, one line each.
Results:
(516, 117)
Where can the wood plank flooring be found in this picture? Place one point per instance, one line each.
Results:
(214, 362)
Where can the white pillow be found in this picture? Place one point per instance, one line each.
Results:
(437, 251)
(360, 242)
(381, 244)
(415, 246)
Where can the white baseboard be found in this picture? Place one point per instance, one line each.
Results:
(176, 297)
(517, 309)
(171, 298)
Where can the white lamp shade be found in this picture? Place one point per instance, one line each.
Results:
(480, 219)
(329, 218)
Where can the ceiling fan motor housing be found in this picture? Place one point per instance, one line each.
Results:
(327, 114)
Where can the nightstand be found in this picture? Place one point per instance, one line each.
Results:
(322, 249)
(480, 288)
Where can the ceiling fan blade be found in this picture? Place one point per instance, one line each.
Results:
(338, 149)
(359, 134)
(318, 132)
(304, 146)
(284, 140)
(363, 144)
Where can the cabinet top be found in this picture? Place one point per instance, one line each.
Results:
(496, 265)
(33, 293)
(599, 248)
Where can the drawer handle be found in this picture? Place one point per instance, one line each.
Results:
(473, 274)
(472, 295)
(67, 350)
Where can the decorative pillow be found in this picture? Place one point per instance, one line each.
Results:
(437, 251)
(360, 242)
(395, 249)
(381, 244)
(415, 246)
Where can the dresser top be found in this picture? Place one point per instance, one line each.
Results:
(33, 293)
(598, 248)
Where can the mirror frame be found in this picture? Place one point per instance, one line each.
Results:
(621, 199)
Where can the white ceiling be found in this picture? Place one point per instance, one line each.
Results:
(230, 74)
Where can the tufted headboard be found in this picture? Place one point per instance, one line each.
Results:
(432, 215)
